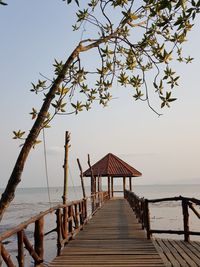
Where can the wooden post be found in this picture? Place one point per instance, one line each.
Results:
(109, 186)
(58, 229)
(81, 216)
(76, 221)
(70, 226)
(81, 176)
(92, 194)
(147, 218)
(6, 257)
(130, 184)
(31, 250)
(39, 238)
(99, 183)
(85, 209)
(65, 221)
(92, 175)
(65, 166)
(95, 184)
(142, 212)
(124, 185)
(92, 184)
(185, 220)
(20, 256)
(112, 187)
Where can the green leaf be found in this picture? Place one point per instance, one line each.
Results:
(172, 99)
(123, 78)
(36, 143)
(69, 1)
(163, 104)
(33, 113)
(18, 135)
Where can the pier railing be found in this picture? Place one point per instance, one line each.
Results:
(142, 211)
(70, 219)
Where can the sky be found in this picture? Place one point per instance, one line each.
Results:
(165, 149)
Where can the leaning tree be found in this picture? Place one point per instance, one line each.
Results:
(133, 44)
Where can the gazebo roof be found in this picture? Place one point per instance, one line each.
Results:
(111, 165)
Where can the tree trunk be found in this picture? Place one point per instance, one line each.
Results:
(15, 177)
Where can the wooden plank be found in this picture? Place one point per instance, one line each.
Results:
(168, 253)
(176, 252)
(188, 255)
(162, 255)
(113, 237)
(196, 245)
(185, 253)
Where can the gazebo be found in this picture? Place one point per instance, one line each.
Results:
(111, 167)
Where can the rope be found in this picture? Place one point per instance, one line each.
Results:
(46, 167)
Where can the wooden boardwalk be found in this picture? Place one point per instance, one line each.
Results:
(178, 253)
(111, 238)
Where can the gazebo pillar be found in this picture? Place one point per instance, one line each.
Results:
(124, 185)
(112, 190)
(92, 193)
(95, 184)
(109, 186)
(130, 184)
(99, 183)
(92, 186)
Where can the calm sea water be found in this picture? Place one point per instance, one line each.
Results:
(164, 215)
(30, 201)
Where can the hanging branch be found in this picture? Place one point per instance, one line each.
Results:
(40, 122)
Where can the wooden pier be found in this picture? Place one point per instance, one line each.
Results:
(113, 237)
(116, 235)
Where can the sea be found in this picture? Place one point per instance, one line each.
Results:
(30, 201)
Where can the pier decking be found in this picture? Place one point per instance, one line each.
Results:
(113, 237)
(178, 253)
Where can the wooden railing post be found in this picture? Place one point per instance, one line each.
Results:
(58, 229)
(142, 214)
(92, 203)
(65, 221)
(147, 218)
(85, 209)
(20, 256)
(130, 184)
(124, 185)
(6, 257)
(76, 216)
(185, 220)
(70, 225)
(31, 250)
(81, 217)
(39, 238)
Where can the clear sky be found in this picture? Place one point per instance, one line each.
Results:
(165, 149)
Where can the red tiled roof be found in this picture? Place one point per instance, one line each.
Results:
(111, 165)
